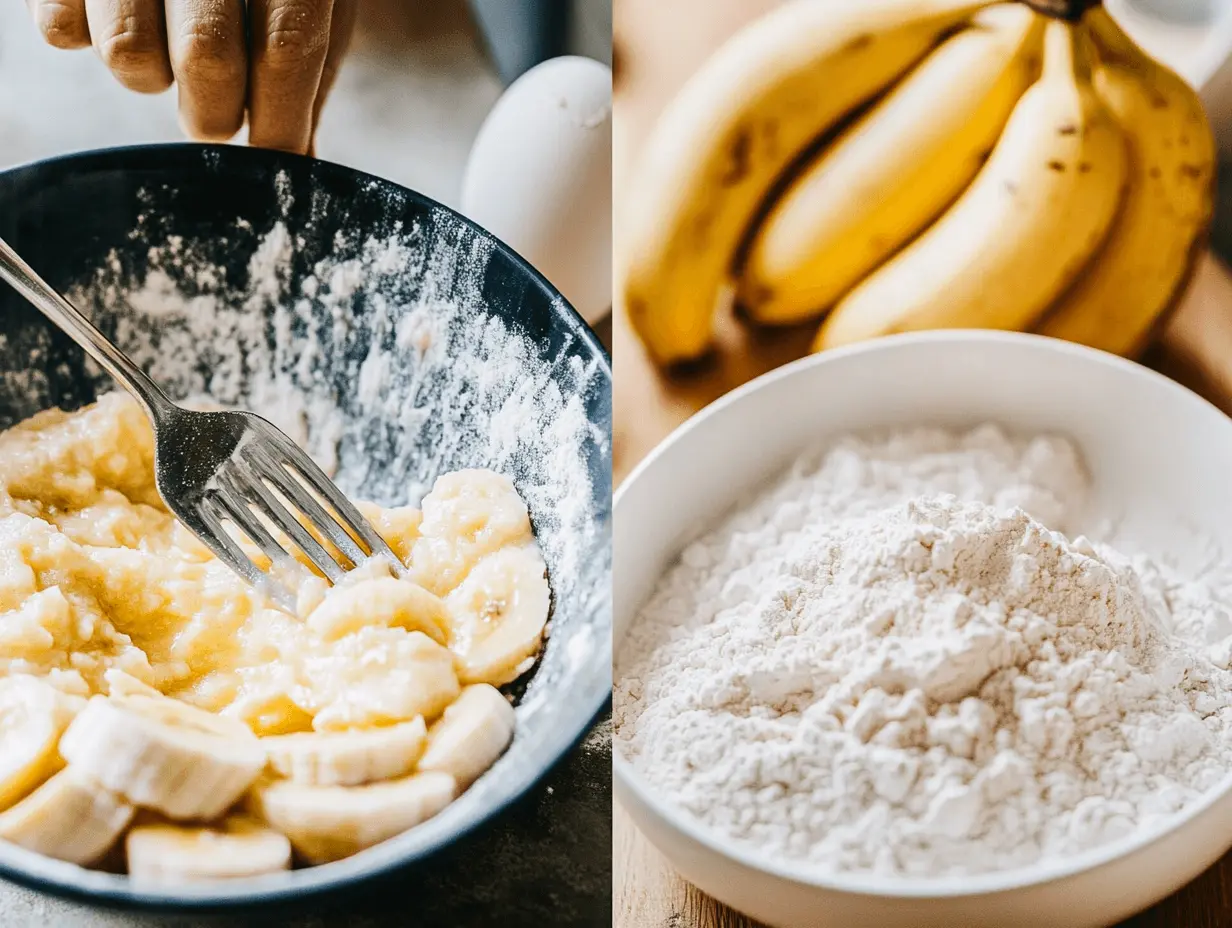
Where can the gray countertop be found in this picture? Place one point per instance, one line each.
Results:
(407, 106)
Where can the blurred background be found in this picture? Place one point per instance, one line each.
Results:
(418, 82)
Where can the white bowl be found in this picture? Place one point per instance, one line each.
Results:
(1161, 460)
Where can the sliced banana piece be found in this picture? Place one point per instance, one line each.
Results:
(69, 817)
(499, 613)
(234, 848)
(470, 736)
(399, 526)
(379, 676)
(164, 754)
(468, 515)
(327, 823)
(385, 601)
(348, 758)
(122, 683)
(33, 715)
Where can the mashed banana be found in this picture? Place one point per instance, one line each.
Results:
(96, 575)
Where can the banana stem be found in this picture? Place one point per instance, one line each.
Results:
(1069, 10)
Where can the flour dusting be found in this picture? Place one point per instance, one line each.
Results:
(893, 661)
(383, 360)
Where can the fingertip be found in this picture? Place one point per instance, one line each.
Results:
(210, 126)
(62, 24)
(284, 138)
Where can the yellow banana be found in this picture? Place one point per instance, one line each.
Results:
(1023, 231)
(1145, 264)
(731, 132)
(890, 175)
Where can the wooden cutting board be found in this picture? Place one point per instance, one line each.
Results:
(657, 46)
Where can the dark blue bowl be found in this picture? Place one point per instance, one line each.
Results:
(88, 223)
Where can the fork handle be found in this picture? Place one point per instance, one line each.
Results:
(64, 314)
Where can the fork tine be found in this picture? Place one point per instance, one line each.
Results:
(299, 497)
(231, 499)
(350, 516)
(212, 513)
(273, 509)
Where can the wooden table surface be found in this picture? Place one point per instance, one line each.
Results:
(657, 46)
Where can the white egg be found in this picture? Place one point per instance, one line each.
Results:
(540, 177)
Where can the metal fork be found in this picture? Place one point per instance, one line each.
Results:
(213, 468)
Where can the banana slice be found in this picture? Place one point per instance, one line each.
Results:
(69, 817)
(327, 823)
(121, 683)
(468, 515)
(499, 612)
(399, 526)
(471, 735)
(164, 754)
(33, 715)
(236, 847)
(379, 676)
(348, 758)
(386, 601)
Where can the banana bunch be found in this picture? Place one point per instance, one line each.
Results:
(897, 165)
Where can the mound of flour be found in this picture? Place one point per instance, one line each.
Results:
(889, 662)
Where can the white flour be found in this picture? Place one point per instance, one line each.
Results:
(864, 672)
(384, 362)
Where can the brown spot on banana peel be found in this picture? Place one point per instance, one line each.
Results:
(857, 43)
(738, 157)
(1058, 166)
(637, 308)
(754, 297)
(1085, 167)
(700, 228)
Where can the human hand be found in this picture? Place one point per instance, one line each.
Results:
(279, 75)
